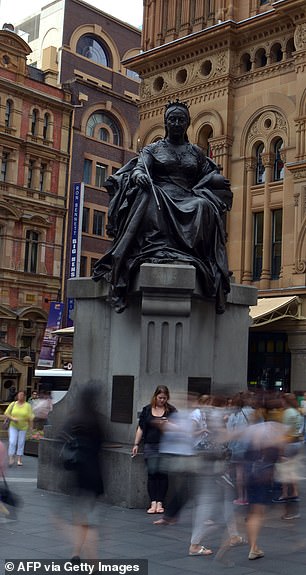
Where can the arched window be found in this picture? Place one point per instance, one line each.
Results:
(260, 58)
(290, 48)
(34, 122)
(278, 170)
(245, 63)
(260, 169)
(8, 113)
(92, 48)
(104, 127)
(31, 252)
(46, 127)
(205, 135)
(276, 53)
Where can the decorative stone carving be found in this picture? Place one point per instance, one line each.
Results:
(300, 36)
(220, 63)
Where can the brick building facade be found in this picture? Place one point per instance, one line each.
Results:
(34, 157)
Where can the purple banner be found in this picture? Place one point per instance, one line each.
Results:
(47, 352)
(76, 238)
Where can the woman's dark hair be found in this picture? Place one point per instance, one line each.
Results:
(160, 389)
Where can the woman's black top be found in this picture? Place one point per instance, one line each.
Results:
(151, 432)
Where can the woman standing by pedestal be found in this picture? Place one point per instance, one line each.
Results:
(21, 417)
(151, 421)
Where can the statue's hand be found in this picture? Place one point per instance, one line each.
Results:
(142, 181)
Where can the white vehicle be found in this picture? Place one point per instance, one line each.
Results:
(55, 380)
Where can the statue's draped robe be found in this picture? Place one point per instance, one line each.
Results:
(188, 227)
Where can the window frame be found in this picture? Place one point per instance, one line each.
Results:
(276, 243)
(103, 51)
(257, 245)
(31, 251)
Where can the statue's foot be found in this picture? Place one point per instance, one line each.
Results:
(119, 304)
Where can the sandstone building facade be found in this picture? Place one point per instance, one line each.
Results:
(241, 67)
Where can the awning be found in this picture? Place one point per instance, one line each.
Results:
(69, 331)
(271, 309)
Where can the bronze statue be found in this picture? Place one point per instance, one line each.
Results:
(167, 206)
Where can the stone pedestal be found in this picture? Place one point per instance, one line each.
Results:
(169, 334)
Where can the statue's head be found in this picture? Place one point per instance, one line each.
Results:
(173, 108)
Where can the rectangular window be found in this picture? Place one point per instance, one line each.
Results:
(258, 245)
(30, 173)
(98, 228)
(101, 174)
(85, 221)
(31, 252)
(277, 229)
(87, 171)
(4, 166)
(42, 177)
(83, 267)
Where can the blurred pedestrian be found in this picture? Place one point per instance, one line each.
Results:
(151, 423)
(212, 489)
(41, 407)
(303, 412)
(265, 441)
(242, 416)
(84, 426)
(3, 463)
(178, 457)
(21, 419)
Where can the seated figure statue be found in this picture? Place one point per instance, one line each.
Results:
(167, 206)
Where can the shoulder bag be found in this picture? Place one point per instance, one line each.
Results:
(70, 455)
(7, 421)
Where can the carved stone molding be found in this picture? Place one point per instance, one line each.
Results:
(300, 36)
(299, 174)
(250, 164)
(300, 267)
(268, 122)
(296, 198)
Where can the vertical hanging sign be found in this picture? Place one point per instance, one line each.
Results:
(47, 352)
(76, 239)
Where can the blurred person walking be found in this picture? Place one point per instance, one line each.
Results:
(84, 428)
(292, 450)
(151, 423)
(20, 414)
(242, 416)
(41, 407)
(178, 457)
(303, 412)
(213, 490)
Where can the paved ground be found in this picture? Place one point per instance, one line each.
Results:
(128, 534)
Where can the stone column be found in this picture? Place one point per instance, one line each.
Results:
(266, 256)
(248, 245)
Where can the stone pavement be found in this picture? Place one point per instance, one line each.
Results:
(130, 534)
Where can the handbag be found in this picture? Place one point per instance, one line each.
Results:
(70, 453)
(7, 421)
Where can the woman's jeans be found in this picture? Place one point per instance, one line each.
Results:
(16, 439)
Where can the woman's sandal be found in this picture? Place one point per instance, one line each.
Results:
(202, 551)
(152, 509)
(237, 540)
(159, 508)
